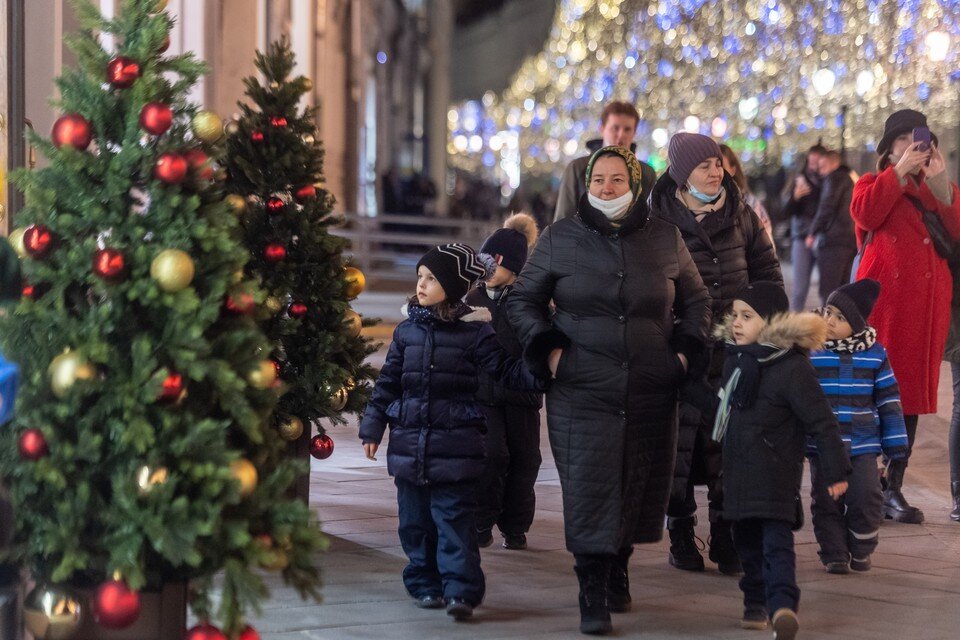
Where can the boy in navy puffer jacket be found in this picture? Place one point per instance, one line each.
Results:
(426, 393)
(857, 379)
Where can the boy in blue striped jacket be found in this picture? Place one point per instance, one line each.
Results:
(857, 379)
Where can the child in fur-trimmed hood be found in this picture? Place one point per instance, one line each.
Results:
(771, 403)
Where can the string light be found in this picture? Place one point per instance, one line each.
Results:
(729, 64)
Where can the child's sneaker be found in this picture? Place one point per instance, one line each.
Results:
(754, 618)
(785, 624)
(459, 609)
(484, 538)
(838, 568)
(429, 602)
(860, 564)
(514, 541)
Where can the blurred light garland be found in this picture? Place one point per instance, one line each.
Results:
(768, 76)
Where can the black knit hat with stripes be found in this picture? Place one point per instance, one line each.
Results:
(456, 267)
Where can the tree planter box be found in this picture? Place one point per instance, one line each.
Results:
(163, 616)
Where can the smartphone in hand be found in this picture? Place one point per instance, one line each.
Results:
(922, 135)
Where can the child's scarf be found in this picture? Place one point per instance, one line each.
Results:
(856, 343)
(743, 385)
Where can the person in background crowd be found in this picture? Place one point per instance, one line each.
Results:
(951, 354)
(771, 405)
(831, 234)
(856, 377)
(912, 314)
(631, 312)
(426, 394)
(618, 126)
(801, 208)
(506, 497)
(733, 166)
(730, 248)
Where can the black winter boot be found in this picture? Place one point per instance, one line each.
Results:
(955, 492)
(895, 506)
(593, 573)
(722, 550)
(618, 592)
(683, 544)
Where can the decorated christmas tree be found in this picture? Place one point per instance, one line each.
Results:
(275, 171)
(143, 452)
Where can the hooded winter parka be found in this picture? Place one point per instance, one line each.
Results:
(426, 393)
(764, 445)
(628, 299)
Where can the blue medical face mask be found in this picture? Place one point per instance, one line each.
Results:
(701, 196)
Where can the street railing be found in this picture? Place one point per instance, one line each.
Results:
(387, 247)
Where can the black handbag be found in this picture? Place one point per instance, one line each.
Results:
(945, 246)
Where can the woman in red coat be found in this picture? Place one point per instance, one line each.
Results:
(912, 315)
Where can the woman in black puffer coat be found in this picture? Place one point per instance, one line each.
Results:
(731, 249)
(630, 311)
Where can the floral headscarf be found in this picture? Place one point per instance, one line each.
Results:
(634, 172)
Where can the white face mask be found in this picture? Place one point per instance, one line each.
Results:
(612, 209)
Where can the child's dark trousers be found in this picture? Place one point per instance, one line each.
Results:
(438, 533)
(766, 553)
(848, 527)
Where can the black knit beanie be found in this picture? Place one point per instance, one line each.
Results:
(767, 298)
(855, 301)
(508, 248)
(455, 266)
(686, 151)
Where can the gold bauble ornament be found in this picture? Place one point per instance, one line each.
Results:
(276, 560)
(232, 128)
(66, 370)
(352, 323)
(339, 399)
(264, 375)
(350, 384)
(292, 429)
(246, 474)
(16, 241)
(148, 477)
(309, 139)
(274, 85)
(173, 270)
(273, 304)
(356, 282)
(207, 126)
(236, 202)
(159, 6)
(308, 84)
(52, 613)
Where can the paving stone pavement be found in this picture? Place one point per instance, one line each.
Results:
(912, 592)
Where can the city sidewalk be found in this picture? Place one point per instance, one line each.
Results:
(912, 592)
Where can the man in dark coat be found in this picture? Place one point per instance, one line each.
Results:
(618, 126)
(628, 301)
(800, 208)
(731, 249)
(831, 232)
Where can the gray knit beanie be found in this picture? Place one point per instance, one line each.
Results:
(686, 151)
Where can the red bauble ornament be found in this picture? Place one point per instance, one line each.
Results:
(274, 252)
(321, 447)
(28, 291)
(156, 118)
(122, 72)
(240, 304)
(249, 633)
(171, 168)
(275, 206)
(257, 136)
(72, 129)
(297, 310)
(172, 388)
(278, 121)
(109, 264)
(200, 163)
(306, 192)
(204, 631)
(38, 240)
(32, 445)
(115, 606)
